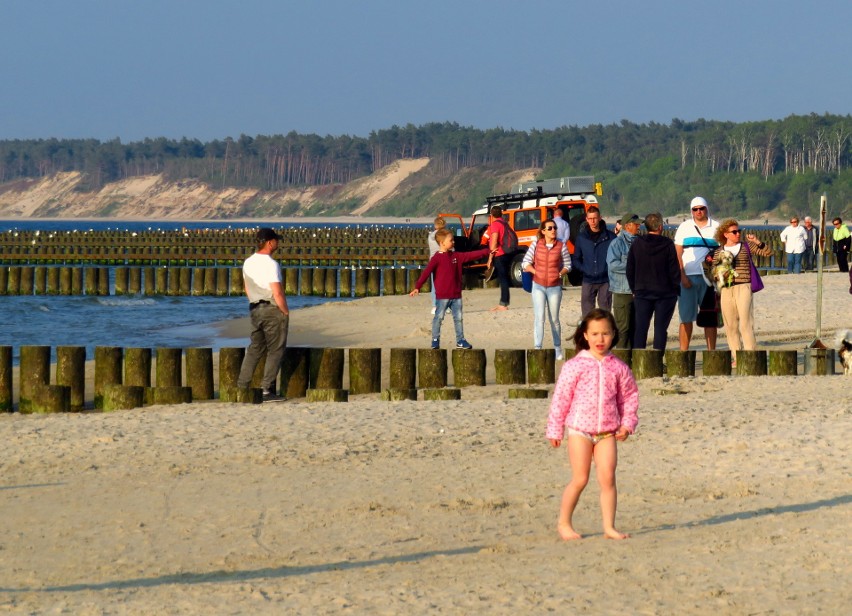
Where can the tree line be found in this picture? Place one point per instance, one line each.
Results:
(811, 145)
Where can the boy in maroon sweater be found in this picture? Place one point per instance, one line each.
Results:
(447, 264)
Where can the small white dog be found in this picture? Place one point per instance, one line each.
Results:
(724, 272)
(844, 349)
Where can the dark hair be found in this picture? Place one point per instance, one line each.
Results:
(496, 211)
(595, 314)
(542, 225)
(654, 221)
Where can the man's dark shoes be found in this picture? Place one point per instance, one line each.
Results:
(271, 396)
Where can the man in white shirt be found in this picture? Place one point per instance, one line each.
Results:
(270, 316)
(795, 241)
(694, 241)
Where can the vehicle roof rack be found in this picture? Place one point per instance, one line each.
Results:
(559, 186)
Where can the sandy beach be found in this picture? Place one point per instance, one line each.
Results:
(735, 490)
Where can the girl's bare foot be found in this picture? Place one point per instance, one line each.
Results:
(499, 308)
(567, 532)
(614, 534)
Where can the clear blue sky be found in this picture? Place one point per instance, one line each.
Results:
(211, 69)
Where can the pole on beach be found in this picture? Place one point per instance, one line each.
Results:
(819, 359)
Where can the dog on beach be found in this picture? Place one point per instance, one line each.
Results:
(844, 344)
(724, 272)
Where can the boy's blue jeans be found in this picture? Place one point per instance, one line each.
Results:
(455, 306)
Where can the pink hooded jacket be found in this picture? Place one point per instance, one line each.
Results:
(593, 396)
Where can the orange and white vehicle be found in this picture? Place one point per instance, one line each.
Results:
(524, 209)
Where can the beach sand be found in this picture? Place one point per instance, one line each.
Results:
(736, 491)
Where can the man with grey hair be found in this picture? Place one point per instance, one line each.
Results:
(653, 273)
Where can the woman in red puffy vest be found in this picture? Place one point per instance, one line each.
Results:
(547, 259)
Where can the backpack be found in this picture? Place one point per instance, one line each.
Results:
(509, 242)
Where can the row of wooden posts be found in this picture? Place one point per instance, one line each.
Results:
(332, 246)
(123, 377)
(218, 281)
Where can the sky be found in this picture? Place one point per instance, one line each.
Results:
(211, 69)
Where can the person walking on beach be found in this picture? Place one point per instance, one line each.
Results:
(439, 223)
(737, 305)
(447, 266)
(616, 266)
(547, 259)
(493, 236)
(694, 242)
(596, 398)
(590, 250)
(808, 260)
(794, 238)
(563, 231)
(270, 316)
(653, 274)
(841, 245)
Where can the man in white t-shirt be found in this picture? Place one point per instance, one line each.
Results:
(795, 241)
(270, 316)
(694, 240)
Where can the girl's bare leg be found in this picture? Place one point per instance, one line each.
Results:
(580, 456)
(606, 459)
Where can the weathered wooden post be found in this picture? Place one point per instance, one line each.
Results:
(306, 281)
(53, 287)
(751, 363)
(295, 372)
(468, 367)
(716, 363)
(27, 280)
(14, 281)
(122, 277)
(4, 280)
(400, 276)
(230, 362)
(77, 281)
(445, 393)
(162, 281)
(345, 276)
(149, 280)
(134, 281)
(330, 283)
(34, 371)
(360, 282)
(209, 281)
(680, 363)
(541, 366)
(137, 367)
(625, 355)
(169, 367)
(40, 280)
(197, 281)
(373, 282)
(199, 372)
(403, 375)
(819, 361)
(237, 281)
(108, 362)
(71, 371)
(223, 281)
(510, 366)
(91, 280)
(318, 286)
(103, 281)
(783, 363)
(647, 363)
(122, 397)
(326, 368)
(432, 368)
(526, 393)
(65, 280)
(365, 371)
(6, 379)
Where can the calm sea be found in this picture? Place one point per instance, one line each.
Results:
(126, 321)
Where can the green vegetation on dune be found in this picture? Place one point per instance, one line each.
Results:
(746, 169)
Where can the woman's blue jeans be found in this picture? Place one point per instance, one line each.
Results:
(546, 300)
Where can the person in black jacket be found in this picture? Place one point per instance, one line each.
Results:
(653, 274)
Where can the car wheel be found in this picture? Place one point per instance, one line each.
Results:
(515, 271)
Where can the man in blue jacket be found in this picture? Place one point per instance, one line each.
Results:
(589, 258)
(616, 263)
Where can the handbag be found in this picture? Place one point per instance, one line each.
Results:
(756, 280)
(707, 263)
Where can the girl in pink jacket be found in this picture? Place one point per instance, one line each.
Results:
(596, 398)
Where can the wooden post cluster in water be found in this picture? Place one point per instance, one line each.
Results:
(123, 377)
(197, 281)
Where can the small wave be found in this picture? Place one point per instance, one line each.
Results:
(126, 301)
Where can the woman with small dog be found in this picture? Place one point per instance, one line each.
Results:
(735, 283)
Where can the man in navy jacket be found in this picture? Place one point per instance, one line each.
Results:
(589, 258)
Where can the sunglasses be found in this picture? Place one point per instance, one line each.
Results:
(735, 231)
(698, 209)
(550, 228)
